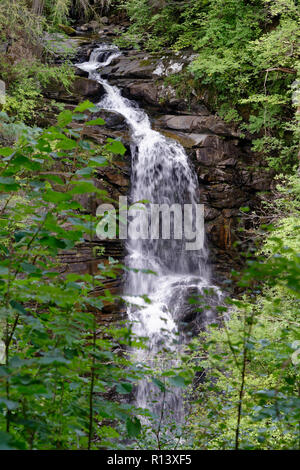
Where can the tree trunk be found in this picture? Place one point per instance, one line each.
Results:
(37, 7)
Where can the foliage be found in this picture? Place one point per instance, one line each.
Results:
(23, 67)
(66, 380)
(59, 367)
(10, 131)
(65, 377)
(64, 11)
(26, 83)
(250, 396)
(16, 20)
(248, 56)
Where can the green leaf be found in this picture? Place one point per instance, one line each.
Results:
(6, 151)
(177, 380)
(95, 122)
(115, 146)
(66, 144)
(133, 426)
(7, 181)
(159, 384)
(55, 196)
(64, 118)
(17, 306)
(9, 404)
(84, 106)
(124, 387)
(99, 161)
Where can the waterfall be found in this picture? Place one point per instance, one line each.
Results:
(161, 173)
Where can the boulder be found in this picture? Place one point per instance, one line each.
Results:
(80, 89)
(89, 27)
(113, 120)
(88, 88)
(4, 47)
(104, 20)
(195, 123)
(129, 67)
(211, 156)
(144, 91)
(60, 46)
(188, 141)
(67, 29)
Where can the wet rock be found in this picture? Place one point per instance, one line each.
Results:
(89, 27)
(225, 196)
(188, 141)
(113, 120)
(260, 180)
(192, 315)
(210, 213)
(67, 29)
(220, 232)
(134, 64)
(104, 20)
(200, 124)
(80, 89)
(60, 46)
(228, 162)
(4, 47)
(84, 52)
(143, 91)
(128, 67)
(116, 177)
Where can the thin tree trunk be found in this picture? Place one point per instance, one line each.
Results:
(37, 7)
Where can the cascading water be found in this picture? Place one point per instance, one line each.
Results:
(161, 174)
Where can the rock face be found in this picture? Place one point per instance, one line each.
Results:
(82, 88)
(230, 175)
(204, 124)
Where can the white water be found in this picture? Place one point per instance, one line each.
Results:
(160, 174)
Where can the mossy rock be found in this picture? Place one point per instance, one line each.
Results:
(67, 29)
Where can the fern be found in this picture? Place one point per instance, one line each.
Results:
(61, 10)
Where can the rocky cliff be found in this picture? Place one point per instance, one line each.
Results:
(230, 175)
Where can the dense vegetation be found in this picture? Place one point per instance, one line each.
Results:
(65, 380)
(247, 59)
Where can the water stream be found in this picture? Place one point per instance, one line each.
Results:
(161, 173)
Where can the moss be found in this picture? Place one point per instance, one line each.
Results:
(67, 29)
(146, 62)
